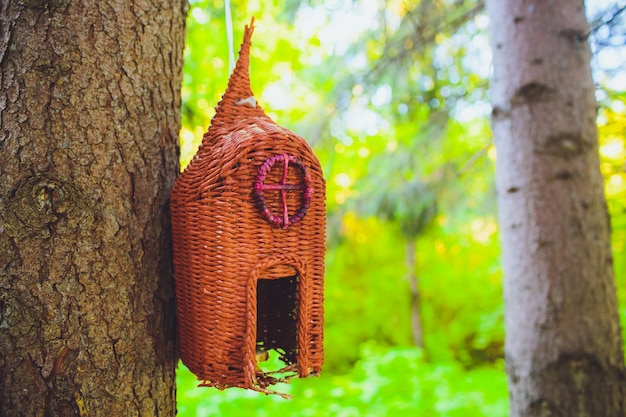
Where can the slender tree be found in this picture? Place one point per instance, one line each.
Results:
(89, 120)
(563, 346)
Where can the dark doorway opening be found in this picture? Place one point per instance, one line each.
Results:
(277, 323)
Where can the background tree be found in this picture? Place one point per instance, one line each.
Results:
(563, 339)
(89, 123)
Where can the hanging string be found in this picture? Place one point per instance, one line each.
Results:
(229, 36)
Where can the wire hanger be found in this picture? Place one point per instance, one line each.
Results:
(229, 36)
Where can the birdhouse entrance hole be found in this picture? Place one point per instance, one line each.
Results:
(277, 318)
(278, 312)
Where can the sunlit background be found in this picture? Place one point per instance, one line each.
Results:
(393, 97)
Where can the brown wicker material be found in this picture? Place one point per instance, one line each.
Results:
(248, 224)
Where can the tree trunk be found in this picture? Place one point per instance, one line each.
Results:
(416, 317)
(563, 345)
(89, 121)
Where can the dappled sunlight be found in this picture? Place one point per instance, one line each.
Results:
(613, 149)
(483, 230)
(189, 142)
(343, 180)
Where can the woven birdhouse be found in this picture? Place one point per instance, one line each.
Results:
(248, 224)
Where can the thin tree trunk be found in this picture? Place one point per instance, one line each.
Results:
(416, 318)
(89, 121)
(563, 343)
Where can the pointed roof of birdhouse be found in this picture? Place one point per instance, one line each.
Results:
(239, 124)
(238, 102)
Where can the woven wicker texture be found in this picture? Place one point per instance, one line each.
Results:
(248, 224)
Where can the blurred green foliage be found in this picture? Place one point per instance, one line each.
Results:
(392, 96)
(384, 382)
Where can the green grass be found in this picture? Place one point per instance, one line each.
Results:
(384, 382)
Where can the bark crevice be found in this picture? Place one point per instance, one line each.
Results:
(532, 92)
(564, 145)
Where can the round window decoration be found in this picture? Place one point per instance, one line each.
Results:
(284, 162)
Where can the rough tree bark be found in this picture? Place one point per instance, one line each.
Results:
(89, 121)
(563, 345)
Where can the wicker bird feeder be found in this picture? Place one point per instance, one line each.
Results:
(248, 224)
